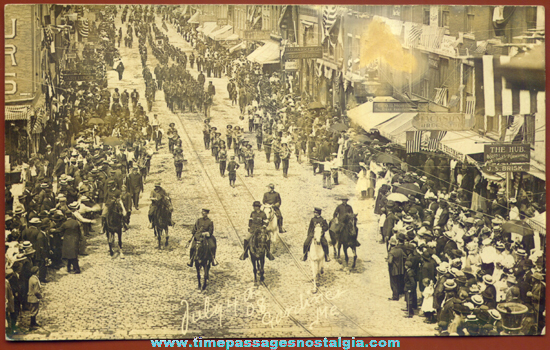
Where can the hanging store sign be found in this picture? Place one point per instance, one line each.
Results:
(303, 52)
(507, 168)
(399, 107)
(255, 35)
(291, 66)
(440, 121)
(433, 61)
(19, 67)
(499, 153)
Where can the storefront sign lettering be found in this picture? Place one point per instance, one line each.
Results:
(18, 53)
(440, 121)
(507, 153)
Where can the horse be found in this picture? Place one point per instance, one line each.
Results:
(258, 248)
(203, 259)
(316, 255)
(272, 228)
(112, 224)
(346, 235)
(161, 221)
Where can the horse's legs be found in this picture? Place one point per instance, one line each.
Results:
(339, 247)
(198, 273)
(166, 243)
(346, 254)
(261, 263)
(254, 269)
(110, 244)
(120, 239)
(206, 272)
(354, 257)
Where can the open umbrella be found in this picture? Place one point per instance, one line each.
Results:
(94, 121)
(339, 127)
(397, 197)
(315, 105)
(112, 141)
(408, 189)
(387, 158)
(361, 138)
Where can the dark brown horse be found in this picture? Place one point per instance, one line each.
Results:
(345, 234)
(161, 220)
(203, 259)
(258, 249)
(112, 224)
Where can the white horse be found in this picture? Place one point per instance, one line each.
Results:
(272, 228)
(316, 255)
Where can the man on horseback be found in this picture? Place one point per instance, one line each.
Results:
(317, 219)
(257, 220)
(342, 209)
(274, 199)
(159, 197)
(203, 225)
(112, 195)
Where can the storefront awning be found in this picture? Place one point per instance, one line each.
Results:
(240, 46)
(362, 115)
(233, 36)
(209, 27)
(194, 19)
(221, 33)
(395, 129)
(12, 113)
(267, 54)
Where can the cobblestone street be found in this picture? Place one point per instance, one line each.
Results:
(151, 293)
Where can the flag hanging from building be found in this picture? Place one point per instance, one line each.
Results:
(412, 34)
(84, 28)
(329, 18)
(435, 137)
(414, 139)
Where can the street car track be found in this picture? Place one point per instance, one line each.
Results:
(234, 229)
(294, 258)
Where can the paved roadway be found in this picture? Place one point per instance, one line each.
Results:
(153, 294)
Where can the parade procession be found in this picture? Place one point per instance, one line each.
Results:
(174, 171)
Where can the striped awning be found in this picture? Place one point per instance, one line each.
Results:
(12, 113)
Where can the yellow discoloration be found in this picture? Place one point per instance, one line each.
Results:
(378, 42)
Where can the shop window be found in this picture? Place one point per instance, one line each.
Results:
(426, 20)
(470, 23)
(491, 124)
(445, 19)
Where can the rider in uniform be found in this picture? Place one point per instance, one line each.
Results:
(158, 195)
(203, 225)
(257, 220)
(274, 199)
(316, 219)
(342, 209)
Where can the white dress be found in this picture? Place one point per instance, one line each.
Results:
(428, 300)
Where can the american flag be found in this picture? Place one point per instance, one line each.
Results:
(84, 28)
(441, 96)
(329, 17)
(413, 35)
(435, 137)
(414, 139)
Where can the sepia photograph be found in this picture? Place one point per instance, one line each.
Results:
(274, 171)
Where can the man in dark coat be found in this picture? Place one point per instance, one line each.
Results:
(134, 183)
(316, 220)
(396, 267)
(410, 289)
(274, 199)
(203, 229)
(70, 230)
(258, 219)
(120, 70)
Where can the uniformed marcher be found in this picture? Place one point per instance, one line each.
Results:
(257, 221)
(274, 199)
(222, 157)
(249, 159)
(204, 228)
(232, 167)
(317, 219)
